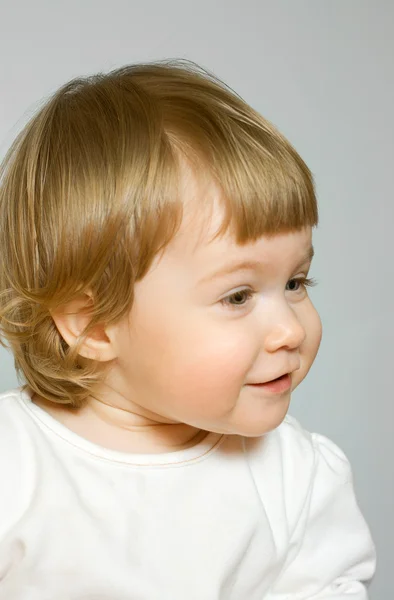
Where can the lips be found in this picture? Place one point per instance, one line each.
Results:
(271, 380)
(278, 385)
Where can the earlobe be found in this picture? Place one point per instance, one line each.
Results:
(71, 320)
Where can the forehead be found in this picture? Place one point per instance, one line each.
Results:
(197, 247)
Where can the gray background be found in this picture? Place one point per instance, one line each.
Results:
(322, 71)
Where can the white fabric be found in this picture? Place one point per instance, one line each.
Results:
(233, 518)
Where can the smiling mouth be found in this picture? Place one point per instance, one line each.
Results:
(280, 378)
(278, 385)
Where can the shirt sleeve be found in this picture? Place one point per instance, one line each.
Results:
(334, 557)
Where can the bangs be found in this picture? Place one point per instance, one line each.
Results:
(266, 187)
(266, 197)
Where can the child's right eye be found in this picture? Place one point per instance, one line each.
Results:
(239, 298)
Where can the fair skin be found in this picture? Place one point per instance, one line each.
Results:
(185, 356)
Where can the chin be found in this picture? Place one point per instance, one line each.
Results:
(257, 429)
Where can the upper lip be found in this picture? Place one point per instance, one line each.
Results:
(274, 376)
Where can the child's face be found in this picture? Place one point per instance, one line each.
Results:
(188, 357)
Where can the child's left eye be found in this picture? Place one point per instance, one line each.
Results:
(301, 281)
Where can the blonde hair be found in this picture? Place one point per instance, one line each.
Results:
(89, 196)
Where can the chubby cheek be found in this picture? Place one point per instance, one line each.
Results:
(205, 369)
(309, 348)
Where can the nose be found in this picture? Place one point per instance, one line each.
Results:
(286, 331)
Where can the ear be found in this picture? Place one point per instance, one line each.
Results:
(72, 319)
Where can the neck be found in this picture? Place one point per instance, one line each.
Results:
(120, 429)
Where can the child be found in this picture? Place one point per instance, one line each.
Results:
(156, 237)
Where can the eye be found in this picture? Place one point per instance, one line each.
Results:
(239, 298)
(300, 282)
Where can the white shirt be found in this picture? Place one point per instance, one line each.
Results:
(232, 518)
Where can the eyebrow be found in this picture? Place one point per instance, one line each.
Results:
(252, 265)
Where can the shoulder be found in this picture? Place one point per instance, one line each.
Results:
(295, 447)
(292, 463)
(13, 418)
(18, 431)
(318, 472)
(292, 431)
(16, 457)
(312, 453)
(11, 413)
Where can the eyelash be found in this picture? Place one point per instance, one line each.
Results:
(304, 281)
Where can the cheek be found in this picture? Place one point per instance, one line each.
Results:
(195, 355)
(198, 366)
(315, 332)
(211, 357)
(313, 328)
